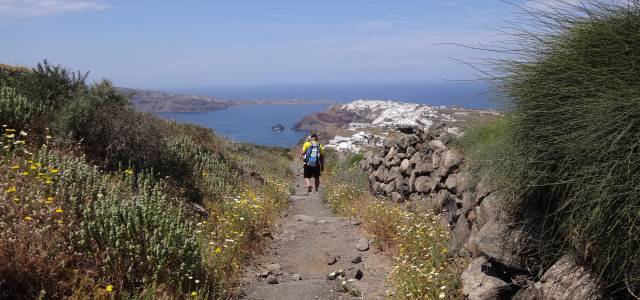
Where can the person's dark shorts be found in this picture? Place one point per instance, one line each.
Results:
(311, 171)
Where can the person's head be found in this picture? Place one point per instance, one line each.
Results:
(314, 137)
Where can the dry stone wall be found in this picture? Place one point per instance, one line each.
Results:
(421, 166)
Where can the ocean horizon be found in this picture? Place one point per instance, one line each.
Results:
(450, 93)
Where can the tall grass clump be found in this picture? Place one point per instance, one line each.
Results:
(572, 81)
(424, 267)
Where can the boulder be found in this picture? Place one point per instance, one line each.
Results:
(468, 202)
(402, 186)
(506, 244)
(462, 180)
(415, 158)
(391, 153)
(442, 198)
(381, 173)
(410, 151)
(436, 145)
(387, 188)
(392, 174)
(489, 208)
(411, 182)
(435, 160)
(405, 166)
(394, 161)
(451, 159)
(461, 232)
(452, 183)
(423, 167)
(375, 188)
(400, 141)
(423, 184)
(450, 209)
(375, 161)
(397, 197)
(564, 280)
(478, 285)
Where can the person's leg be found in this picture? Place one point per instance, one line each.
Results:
(317, 177)
(308, 182)
(307, 178)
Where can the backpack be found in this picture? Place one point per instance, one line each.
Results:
(312, 156)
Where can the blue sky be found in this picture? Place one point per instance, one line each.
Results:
(164, 44)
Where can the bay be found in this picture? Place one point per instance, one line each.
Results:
(253, 123)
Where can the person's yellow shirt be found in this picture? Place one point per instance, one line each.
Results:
(306, 146)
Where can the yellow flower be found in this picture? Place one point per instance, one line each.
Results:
(28, 218)
(15, 167)
(218, 250)
(59, 210)
(32, 167)
(11, 190)
(59, 221)
(128, 172)
(109, 288)
(194, 294)
(54, 171)
(48, 181)
(25, 173)
(441, 295)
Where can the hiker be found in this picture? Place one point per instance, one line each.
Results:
(313, 157)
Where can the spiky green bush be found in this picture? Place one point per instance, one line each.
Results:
(573, 84)
(16, 111)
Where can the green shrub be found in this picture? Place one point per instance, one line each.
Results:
(144, 236)
(575, 97)
(17, 111)
(211, 174)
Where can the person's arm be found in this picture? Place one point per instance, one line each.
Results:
(321, 158)
(304, 151)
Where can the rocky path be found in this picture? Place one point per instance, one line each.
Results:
(309, 244)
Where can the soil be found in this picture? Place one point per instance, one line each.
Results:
(304, 244)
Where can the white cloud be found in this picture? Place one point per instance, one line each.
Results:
(38, 8)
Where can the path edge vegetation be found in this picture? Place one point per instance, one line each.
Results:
(424, 267)
(100, 201)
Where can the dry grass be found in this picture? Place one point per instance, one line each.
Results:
(424, 267)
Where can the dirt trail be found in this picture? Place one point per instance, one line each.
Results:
(303, 244)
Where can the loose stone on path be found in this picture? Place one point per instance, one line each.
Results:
(363, 244)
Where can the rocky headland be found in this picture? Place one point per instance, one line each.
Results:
(363, 124)
(154, 101)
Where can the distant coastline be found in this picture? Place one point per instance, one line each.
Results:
(162, 102)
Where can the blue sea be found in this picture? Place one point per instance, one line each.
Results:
(252, 123)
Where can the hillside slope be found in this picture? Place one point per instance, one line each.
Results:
(101, 201)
